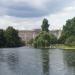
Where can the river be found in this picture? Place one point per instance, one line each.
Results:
(31, 61)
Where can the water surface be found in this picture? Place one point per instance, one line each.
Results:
(30, 61)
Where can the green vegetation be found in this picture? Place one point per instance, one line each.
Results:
(45, 25)
(10, 38)
(44, 38)
(62, 46)
(70, 41)
(68, 33)
(2, 38)
(66, 41)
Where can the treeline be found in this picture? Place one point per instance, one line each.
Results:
(45, 38)
(10, 38)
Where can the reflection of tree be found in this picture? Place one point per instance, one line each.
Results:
(2, 57)
(70, 58)
(45, 61)
(13, 61)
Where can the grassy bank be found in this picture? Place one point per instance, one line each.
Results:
(62, 46)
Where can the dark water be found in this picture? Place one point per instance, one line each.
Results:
(30, 61)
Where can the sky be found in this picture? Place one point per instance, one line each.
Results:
(29, 14)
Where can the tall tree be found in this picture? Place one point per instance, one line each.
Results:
(45, 25)
(44, 38)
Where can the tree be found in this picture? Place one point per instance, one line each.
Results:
(45, 25)
(68, 30)
(70, 41)
(12, 38)
(44, 38)
(2, 38)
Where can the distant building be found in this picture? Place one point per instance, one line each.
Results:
(27, 35)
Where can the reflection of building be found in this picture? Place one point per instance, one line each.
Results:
(27, 35)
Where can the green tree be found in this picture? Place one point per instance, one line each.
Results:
(45, 25)
(12, 38)
(2, 38)
(68, 30)
(44, 38)
(70, 41)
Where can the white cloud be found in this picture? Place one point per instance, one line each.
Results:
(34, 3)
(19, 23)
(59, 19)
(56, 20)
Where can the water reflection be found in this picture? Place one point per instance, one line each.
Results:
(2, 60)
(13, 61)
(29, 61)
(45, 61)
(69, 57)
(2, 57)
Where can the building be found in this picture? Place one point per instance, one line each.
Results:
(27, 35)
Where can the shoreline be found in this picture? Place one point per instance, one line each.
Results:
(62, 46)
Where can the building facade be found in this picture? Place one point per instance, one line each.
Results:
(27, 35)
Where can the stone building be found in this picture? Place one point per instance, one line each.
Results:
(27, 35)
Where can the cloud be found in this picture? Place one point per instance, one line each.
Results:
(28, 14)
(59, 19)
(19, 23)
(32, 8)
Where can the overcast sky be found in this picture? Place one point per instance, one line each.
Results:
(28, 14)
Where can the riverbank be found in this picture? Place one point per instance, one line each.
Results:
(62, 46)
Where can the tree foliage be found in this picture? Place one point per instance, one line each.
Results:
(44, 38)
(45, 25)
(70, 41)
(68, 32)
(2, 38)
(10, 38)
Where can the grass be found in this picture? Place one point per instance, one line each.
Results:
(62, 46)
